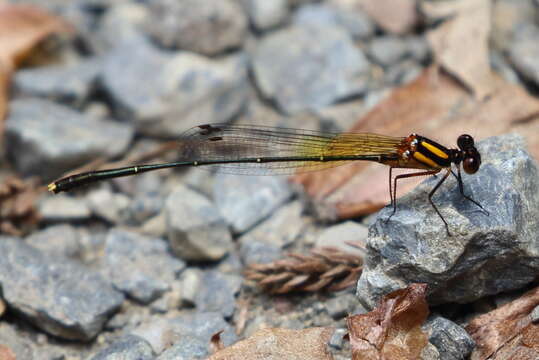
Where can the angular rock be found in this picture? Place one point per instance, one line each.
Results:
(108, 205)
(56, 295)
(341, 305)
(387, 50)
(196, 229)
(184, 329)
(264, 243)
(535, 314)
(129, 347)
(307, 74)
(24, 343)
(494, 253)
(451, 340)
(71, 84)
(266, 14)
(48, 139)
(217, 292)
(244, 201)
(203, 26)
(58, 240)
(123, 19)
(190, 284)
(348, 16)
(339, 236)
(63, 208)
(181, 89)
(140, 266)
(189, 348)
(524, 54)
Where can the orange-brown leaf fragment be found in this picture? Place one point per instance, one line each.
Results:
(22, 27)
(280, 344)
(393, 329)
(503, 327)
(461, 43)
(6, 353)
(17, 206)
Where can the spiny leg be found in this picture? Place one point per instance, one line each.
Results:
(403, 176)
(432, 203)
(461, 188)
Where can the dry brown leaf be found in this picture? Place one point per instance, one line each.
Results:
(325, 268)
(393, 329)
(6, 353)
(506, 328)
(22, 27)
(460, 44)
(17, 206)
(434, 105)
(279, 344)
(394, 16)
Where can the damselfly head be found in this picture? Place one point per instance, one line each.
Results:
(471, 158)
(465, 142)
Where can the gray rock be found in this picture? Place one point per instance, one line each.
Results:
(22, 347)
(337, 338)
(180, 89)
(430, 352)
(140, 266)
(187, 327)
(144, 206)
(125, 20)
(351, 19)
(48, 139)
(341, 305)
(244, 201)
(71, 84)
(263, 244)
(203, 26)
(535, 314)
(189, 287)
(266, 14)
(58, 296)
(418, 48)
(108, 205)
(387, 50)
(307, 74)
(403, 72)
(217, 293)
(196, 229)
(524, 54)
(27, 344)
(58, 240)
(495, 253)
(451, 340)
(339, 236)
(258, 252)
(62, 207)
(189, 348)
(129, 347)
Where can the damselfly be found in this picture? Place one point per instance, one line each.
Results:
(242, 149)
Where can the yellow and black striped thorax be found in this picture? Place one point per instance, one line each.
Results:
(432, 154)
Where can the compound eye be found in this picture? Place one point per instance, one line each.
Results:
(471, 164)
(465, 141)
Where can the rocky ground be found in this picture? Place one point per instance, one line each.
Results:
(152, 266)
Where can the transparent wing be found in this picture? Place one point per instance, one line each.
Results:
(229, 143)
